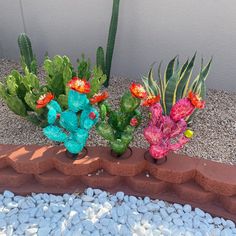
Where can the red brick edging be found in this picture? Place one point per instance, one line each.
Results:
(208, 185)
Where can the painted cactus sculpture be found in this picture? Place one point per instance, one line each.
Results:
(169, 132)
(71, 126)
(118, 126)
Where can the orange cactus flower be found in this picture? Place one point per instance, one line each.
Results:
(99, 97)
(151, 100)
(79, 85)
(138, 91)
(196, 100)
(44, 100)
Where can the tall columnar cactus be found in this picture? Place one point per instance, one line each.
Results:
(102, 62)
(27, 58)
(170, 133)
(175, 84)
(118, 126)
(64, 126)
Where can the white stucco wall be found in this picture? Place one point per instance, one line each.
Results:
(148, 30)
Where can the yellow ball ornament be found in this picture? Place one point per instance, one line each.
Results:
(188, 133)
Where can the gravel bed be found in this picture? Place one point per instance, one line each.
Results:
(96, 212)
(215, 126)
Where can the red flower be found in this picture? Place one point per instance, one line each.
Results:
(79, 85)
(196, 100)
(151, 100)
(134, 122)
(92, 115)
(44, 100)
(137, 90)
(99, 97)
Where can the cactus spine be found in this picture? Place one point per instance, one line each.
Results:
(105, 64)
(27, 58)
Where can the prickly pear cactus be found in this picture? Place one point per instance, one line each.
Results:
(28, 60)
(170, 133)
(71, 126)
(118, 126)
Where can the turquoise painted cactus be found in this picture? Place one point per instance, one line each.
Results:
(71, 126)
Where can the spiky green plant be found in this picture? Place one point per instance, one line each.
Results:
(84, 68)
(21, 92)
(102, 62)
(26, 53)
(176, 82)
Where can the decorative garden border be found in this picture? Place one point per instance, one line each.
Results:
(208, 185)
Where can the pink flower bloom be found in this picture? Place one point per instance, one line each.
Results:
(182, 109)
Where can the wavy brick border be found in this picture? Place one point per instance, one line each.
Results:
(202, 183)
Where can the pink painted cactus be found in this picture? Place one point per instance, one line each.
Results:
(168, 133)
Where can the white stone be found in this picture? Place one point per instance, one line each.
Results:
(9, 230)
(157, 219)
(8, 194)
(97, 191)
(196, 221)
(215, 232)
(87, 198)
(199, 212)
(2, 223)
(44, 231)
(178, 222)
(12, 212)
(226, 232)
(142, 209)
(187, 208)
(66, 197)
(146, 200)
(161, 203)
(217, 220)
(133, 199)
(177, 206)
(152, 207)
(174, 215)
(88, 225)
(163, 213)
(209, 218)
(45, 197)
(170, 210)
(120, 195)
(31, 231)
(23, 217)
(102, 195)
(89, 192)
(120, 211)
(230, 223)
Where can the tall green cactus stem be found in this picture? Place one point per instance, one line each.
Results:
(27, 58)
(105, 64)
(111, 38)
(100, 59)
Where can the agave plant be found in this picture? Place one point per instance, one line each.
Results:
(177, 82)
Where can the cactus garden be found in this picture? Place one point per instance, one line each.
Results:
(150, 152)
